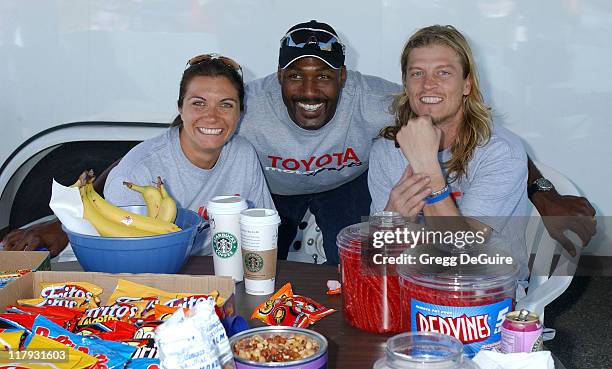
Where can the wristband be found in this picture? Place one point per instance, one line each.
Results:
(437, 196)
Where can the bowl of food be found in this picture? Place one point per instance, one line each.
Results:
(165, 253)
(279, 347)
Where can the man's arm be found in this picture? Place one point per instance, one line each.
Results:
(49, 234)
(563, 212)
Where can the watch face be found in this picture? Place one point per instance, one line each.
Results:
(543, 184)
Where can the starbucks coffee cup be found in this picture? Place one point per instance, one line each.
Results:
(259, 234)
(224, 218)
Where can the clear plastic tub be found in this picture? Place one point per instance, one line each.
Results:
(370, 293)
(468, 301)
(424, 350)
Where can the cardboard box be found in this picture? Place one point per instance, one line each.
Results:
(28, 286)
(34, 260)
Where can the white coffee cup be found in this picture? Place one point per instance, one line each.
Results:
(224, 217)
(259, 234)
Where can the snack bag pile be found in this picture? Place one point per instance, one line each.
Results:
(285, 308)
(118, 334)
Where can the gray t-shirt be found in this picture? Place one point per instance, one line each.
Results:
(299, 161)
(493, 191)
(236, 172)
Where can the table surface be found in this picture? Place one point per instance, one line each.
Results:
(348, 347)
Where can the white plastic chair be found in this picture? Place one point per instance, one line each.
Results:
(546, 285)
(311, 239)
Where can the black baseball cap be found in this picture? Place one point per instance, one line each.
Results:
(311, 39)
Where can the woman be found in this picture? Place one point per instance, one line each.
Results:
(197, 158)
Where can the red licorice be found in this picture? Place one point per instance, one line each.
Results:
(370, 297)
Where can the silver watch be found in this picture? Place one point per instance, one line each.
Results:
(539, 185)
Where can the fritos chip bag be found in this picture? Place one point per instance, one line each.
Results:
(127, 291)
(75, 303)
(189, 300)
(119, 311)
(70, 290)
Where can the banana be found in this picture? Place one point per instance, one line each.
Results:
(167, 209)
(152, 197)
(82, 180)
(104, 226)
(132, 220)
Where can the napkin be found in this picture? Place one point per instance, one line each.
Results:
(68, 208)
(531, 360)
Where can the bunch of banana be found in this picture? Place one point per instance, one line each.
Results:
(160, 204)
(111, 221)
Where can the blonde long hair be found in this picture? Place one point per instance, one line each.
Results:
(476, 127)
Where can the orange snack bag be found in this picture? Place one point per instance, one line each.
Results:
(265, 308)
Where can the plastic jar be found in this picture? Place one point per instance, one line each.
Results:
(424, 350)
(467, 301)
(370, 293)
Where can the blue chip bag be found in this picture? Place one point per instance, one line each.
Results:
(110, 355)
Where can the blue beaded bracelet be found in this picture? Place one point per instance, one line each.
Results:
(437, 196)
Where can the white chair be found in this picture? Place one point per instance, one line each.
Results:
(546, 285)
(311, 240)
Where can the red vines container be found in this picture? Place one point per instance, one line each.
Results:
(370, 293)
(468, 301)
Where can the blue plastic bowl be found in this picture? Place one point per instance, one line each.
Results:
(155, 254)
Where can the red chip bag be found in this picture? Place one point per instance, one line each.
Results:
(313, 310)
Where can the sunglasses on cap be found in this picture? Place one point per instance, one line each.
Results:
(214, 56)
(308, 37)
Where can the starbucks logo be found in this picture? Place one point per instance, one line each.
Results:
(225, 244)
(253, 262)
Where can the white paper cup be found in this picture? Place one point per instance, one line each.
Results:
(224, 216)
(259, 234)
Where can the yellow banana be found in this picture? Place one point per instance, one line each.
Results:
(167, 209)
(81, 181)
(132, 220)
(104, 226)
(151, 195)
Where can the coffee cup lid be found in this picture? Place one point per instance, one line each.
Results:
(259, 216)
(226, 205)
